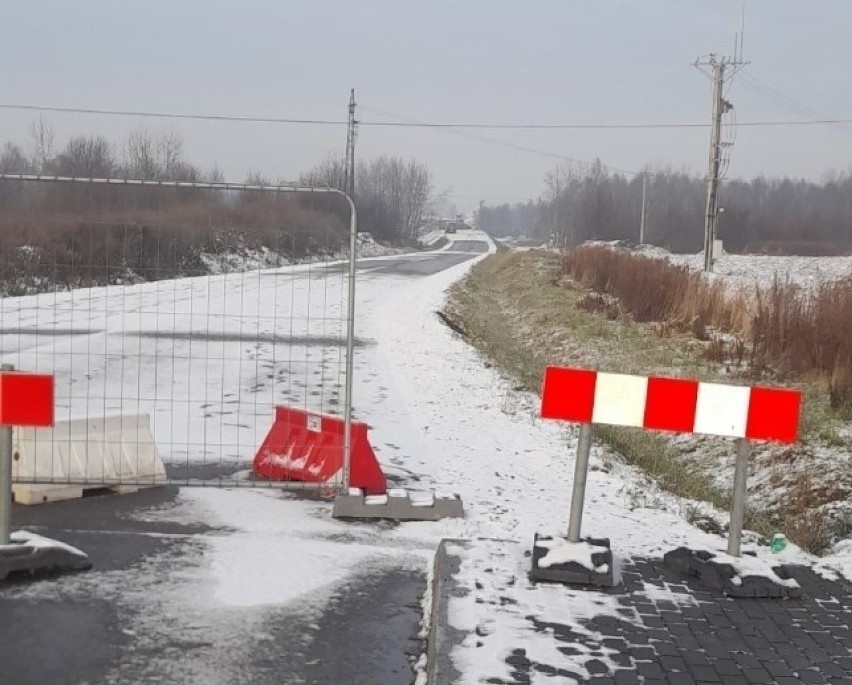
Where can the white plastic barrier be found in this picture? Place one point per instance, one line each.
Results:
(116, 452)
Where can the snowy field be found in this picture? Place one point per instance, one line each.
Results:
(441, 419)
(751, 270)
(205, 357)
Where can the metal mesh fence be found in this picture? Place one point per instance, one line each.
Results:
(174, 317)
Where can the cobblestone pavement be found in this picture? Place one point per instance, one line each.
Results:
(492, 623)
(699, 636)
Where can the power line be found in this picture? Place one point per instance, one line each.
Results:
(523, 148)
(171, 115)
(454, 129)
(767, 92)
(822, 121)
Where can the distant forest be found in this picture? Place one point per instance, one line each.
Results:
(81, 234)
(391, 193)
(763, 215)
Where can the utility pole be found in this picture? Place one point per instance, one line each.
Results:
(716, 69)
(644, 205)
(351, 133)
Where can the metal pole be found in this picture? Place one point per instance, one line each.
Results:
(350, 346)
(642, 220)
(581, 468)
(735, 532)
(6, 477)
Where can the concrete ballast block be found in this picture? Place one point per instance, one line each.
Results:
(396, 505)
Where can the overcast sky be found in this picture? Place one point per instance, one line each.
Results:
(490, 61)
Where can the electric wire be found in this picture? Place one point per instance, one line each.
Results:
(818, 121)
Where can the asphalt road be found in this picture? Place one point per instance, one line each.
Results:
(413, 264)
(428, 263)
(85, 628)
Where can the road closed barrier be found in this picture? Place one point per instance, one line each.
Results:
(27, 400)
(671, 404)
(664, 404)
(309, 447)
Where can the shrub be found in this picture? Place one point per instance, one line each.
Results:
(792, 331)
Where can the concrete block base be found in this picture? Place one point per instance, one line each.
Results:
(396, 505)
(32, 554)
(594, 569)
(40, 494)
(715, 572)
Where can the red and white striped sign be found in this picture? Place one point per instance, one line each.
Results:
(671, 404)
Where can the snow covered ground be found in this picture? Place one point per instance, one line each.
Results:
(432, 236)
(474, 434)
(751, 270)
(441, 419)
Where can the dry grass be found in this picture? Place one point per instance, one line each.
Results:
(513, 309)
(71, 240)
(782, 329)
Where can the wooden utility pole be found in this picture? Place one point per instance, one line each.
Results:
(718, 67)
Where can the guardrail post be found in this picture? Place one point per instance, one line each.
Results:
(581, 469)
(6, 477)
(735, 531)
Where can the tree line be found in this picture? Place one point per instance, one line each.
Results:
(145, 154)
(391, 193)
(763, 215)
(71, 235)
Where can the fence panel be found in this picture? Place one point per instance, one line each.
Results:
(174, 317)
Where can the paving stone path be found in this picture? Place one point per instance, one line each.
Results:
(714, 639)
(654, 627)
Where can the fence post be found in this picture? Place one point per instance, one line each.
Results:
(735, 530)
(350, 346)
(581, 469)
(6, 477)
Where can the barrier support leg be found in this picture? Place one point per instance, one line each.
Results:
(6, 477)
(735, 533)
(573, 572)
(578, 495)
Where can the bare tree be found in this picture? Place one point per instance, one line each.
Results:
(392, 195)
(86, 156)
(42, 142)
(214, 175)
(13, 160)
(329, 173)
(140, 156)
(170, 153)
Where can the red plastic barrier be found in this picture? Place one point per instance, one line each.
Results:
(308, 447)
